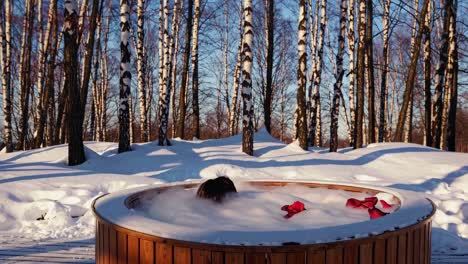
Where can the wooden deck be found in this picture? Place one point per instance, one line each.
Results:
(17, 250)
(50, 251)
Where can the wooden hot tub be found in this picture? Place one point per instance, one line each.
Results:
(405, 242)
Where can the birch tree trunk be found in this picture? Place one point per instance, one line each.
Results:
(384, 74)
(370, 72)
(335, 110)
(452, 118)
(358, 135)
(88, 57)
(195, 105)
(233, 117)
(5, 46)
(450, 101)
(352, 68)
(317, 79)
(168, 59)
(270, 37)
(185, 70)
(39, 120)
(225, 58)
(437, 99)
(174, 69)
(125, 78)
(301, 110)
(409, 84)
(76, 153)
(409, 112)
(248, 108)
(141, 69)
(25, 68)
(48, 106)
(161, 64)
(427, 77)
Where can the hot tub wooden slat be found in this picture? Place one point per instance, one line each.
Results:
(201, 256)
(106, 240)
(112, 246)
(365, 253)
(182, 255)
(234, 258)
(422, 245)
(298, 257)
(334, 255)
(316, 255)
(146, 251)
(351, 254)
(133, 249)
(122, 248)
(391, 250)
(379, 251)
(401, 248)
(163, 253)
(410, 247)
(97, 253)
(428, 246)
(416, 239)
(255, 258)
(277, 258)
(217, 257)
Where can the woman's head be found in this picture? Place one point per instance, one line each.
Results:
(216, 189)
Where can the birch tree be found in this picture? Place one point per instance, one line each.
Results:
(358, 137)
(384, 74)
(48, 105)
(24, 77)
(163, 50)
(335, 110)
(185, 70)
(168, 58)
(352, 67)
(448, 132)
(409, 112)
(314, 98)
(270, 37)
(301, 77)
(233, 117)
(427, 77)
(409, 83)
(125, 78)
(76, 153)
(195, 105)
(248, 108)
(5, 46)
(43, 54)
(437, 99)
(370, 71)
(141, 69)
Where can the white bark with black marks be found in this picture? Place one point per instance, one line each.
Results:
(335, 110)
(125, 78)
(314, 133)
(141, 69)
(248, 108)
(5, 50)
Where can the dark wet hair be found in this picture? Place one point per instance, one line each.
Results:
(216, 189)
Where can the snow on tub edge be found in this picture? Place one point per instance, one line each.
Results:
(414, 208)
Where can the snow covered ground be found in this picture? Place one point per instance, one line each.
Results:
(42, 198)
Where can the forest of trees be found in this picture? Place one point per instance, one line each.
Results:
(327, 73)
